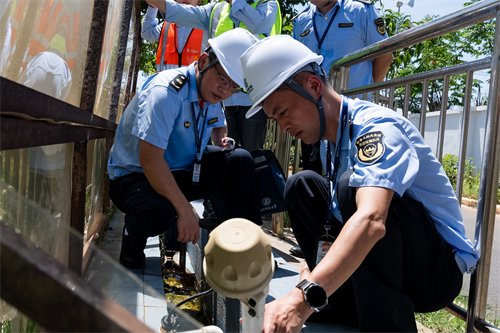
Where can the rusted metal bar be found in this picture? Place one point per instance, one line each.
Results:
(93, 237)
(87, 102)
(78, 191)
(135, 53)
(377, 96)
(296, 157)
(442, 118)
(120, 60)
(26, 101)
(488, 188)
(13, 133)
(52, 295)
(464, 137)
(139, 45)
(423, 109)
(391, 98)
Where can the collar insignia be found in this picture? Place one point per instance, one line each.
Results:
(187, 124)
(305, 33)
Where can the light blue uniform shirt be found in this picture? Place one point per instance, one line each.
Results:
(151, 30)
(407, 166)
(258, 20)
(163, 117)
(352, 29)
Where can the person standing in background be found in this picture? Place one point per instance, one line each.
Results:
(333, 29)
(262, 18)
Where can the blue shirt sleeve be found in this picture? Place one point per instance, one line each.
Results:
(371, 33)
(158, 109)
(150, 28)
(398, 163)
(259, 20)
(189, 16)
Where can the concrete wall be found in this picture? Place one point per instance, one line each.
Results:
(475, 140)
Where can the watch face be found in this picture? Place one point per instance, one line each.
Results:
(316, 296)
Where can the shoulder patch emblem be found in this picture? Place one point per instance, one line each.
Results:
(213, 121)
(178, 82)
(371, 147)
(380, 24)
(345, 25)
(187, 124)
(305, 33)
(366, 2)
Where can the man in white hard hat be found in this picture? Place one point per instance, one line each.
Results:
(398, 244)
(158, 161)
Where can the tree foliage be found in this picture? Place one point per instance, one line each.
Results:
(439, 52)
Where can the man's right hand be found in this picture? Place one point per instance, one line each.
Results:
(188, 227)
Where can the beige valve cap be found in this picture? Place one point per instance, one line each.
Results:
(238, 259)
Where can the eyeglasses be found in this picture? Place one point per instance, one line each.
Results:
(224, 81)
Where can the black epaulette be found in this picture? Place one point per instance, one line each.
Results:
(178, 82)
(293, 18)
(366, 2)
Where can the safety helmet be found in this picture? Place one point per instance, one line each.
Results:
(228, 47)
(268, 63)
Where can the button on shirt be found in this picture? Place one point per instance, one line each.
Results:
(258, 20)
(163, 117)
(406, 165)
(352, 29)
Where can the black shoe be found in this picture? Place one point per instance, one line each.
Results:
(208, 212)
(128, 258)
(297, 252)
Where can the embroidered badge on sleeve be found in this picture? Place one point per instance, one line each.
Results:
(380, 24)
(371, 147)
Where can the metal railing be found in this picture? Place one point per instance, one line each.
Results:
(485, 220)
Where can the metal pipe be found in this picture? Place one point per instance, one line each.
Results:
(423, 110)
(406, 106)
(464, 137)
(365, 95)
(487, 192)
(479, 12)
(377, 96)
(442, 118)
(391, 98)
(431, 75)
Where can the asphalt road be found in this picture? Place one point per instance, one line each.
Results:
(469, 215)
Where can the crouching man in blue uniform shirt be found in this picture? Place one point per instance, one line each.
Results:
(399, 243)
(157, 164)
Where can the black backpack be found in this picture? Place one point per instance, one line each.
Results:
(270, 182)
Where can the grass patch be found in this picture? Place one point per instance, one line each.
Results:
(444, 322)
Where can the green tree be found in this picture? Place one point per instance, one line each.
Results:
(440, 52)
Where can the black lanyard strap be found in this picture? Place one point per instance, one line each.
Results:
(332, 177)
(320, 41)
(198, 139)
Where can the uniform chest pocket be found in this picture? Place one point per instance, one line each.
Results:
(343, 40)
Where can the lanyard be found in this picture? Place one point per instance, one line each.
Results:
(320, 41)
(198, 138)
(332, 178)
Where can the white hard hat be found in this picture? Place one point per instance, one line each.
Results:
(268, 63)
(228, 47)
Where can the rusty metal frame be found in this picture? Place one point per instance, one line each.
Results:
(54, 296)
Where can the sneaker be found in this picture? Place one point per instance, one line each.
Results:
(127, 257)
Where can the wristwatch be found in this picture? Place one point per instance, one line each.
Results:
(314, 295)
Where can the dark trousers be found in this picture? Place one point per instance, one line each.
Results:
(249, 133)
(306, 151)
(411, 269)
(227, 178)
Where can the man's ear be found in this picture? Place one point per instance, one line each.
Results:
(314, 86)
(203, 61)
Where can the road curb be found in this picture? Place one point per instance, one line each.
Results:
(473, 203)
